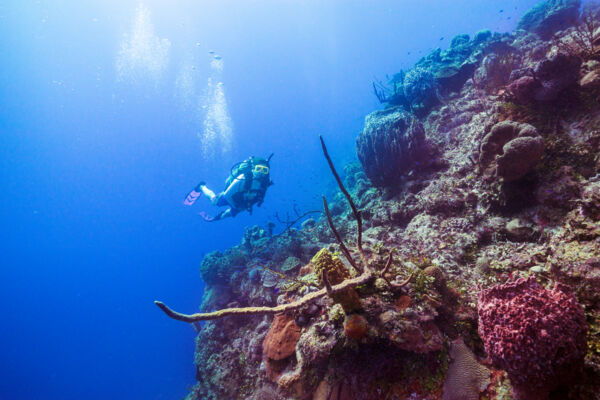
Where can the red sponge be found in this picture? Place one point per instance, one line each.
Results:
(537, 335)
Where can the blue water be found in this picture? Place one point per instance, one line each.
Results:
(102, 134)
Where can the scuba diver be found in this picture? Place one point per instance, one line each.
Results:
(246, 185)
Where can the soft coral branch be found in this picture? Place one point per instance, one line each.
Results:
(355, 210)
(348, 283)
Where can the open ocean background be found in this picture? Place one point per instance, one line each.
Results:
(111, 111)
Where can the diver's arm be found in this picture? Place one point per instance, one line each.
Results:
(261, 198)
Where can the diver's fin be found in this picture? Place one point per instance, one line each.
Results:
(206, 217)
(191, 198)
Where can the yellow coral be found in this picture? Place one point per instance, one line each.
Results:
(336, 270)
(336, 273)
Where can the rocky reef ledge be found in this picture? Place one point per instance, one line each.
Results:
(464, 262)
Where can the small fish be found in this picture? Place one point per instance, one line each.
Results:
(218, 57)
(508, 18)
(442, 38)
(408, 53)
(501, 11)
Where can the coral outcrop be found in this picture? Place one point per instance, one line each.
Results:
(550, 16)
(546, 80)
(331, 268)
(439, 270)
(537, 335)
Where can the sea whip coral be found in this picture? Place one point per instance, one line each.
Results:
(537, 335)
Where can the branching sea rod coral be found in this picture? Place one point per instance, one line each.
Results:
(366, 272)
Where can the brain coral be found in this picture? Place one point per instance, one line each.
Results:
(537, 335)
(515, 148)
(291, 263)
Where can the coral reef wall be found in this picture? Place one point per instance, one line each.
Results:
(479, 190)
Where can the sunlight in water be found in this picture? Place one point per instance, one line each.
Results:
(185, 86)
(217, 135)
(217, 65)
(142, 55)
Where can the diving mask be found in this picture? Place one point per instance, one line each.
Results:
(261, 169)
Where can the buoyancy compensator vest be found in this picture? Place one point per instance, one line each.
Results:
(256, 173)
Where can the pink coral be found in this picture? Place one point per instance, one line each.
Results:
(537, 335)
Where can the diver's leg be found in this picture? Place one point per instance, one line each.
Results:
(208, 193)
(235, 187)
